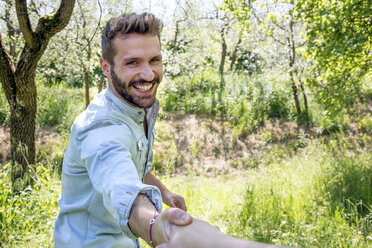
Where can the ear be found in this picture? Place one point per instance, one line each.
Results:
(105, 67)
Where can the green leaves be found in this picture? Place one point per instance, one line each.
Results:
(339, 44)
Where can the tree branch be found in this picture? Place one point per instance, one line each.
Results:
(7, 70)
(51, 24)
(24, 23)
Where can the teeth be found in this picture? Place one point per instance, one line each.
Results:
(143, 87)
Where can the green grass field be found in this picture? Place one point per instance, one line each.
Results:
(318, 198)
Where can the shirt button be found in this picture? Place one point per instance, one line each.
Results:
(140, 113)
(140, 122)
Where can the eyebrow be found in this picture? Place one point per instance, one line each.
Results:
(157, 57)
(126, 60)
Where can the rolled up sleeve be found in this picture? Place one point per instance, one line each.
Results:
(106, 153)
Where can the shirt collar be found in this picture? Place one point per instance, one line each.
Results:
(135, 113)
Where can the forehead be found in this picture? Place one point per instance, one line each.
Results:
(136, 45)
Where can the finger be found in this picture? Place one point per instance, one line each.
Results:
(178, 217)
(172, 204)
(183, 205)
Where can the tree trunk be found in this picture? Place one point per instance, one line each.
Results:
(292, 60)
(223, 52)
(19, 82)
(295, 93)
(175, 39)
(304, 96)
(86, 84)
(22, 127)
(233, 57)
(100, 83)
(303, 91)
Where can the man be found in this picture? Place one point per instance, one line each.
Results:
(109, 195)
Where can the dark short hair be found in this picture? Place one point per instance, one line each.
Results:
(145, 23)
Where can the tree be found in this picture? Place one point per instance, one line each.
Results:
(87, 43)
(18, 80)
(279, 23)
(339, 37)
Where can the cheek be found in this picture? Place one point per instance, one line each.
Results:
(127, 75)
(159, 71)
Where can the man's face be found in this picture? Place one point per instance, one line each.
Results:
(137, 70)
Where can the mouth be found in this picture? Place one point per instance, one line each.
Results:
(144, 88)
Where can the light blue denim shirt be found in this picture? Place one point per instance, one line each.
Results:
(106, 159)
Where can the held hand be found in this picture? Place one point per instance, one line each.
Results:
(161, 229)
(173, 200)
(199, 234)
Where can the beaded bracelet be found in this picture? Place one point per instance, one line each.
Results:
(152, 221)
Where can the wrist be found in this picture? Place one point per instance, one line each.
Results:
(160, 231)
(152, 222)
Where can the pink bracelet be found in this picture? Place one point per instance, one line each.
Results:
(152, 221)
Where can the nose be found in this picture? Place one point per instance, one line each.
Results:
(147, 72)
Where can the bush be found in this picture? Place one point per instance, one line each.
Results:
(365, 124)
(278, 104)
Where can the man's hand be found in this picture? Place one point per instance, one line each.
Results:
(199, 234)
(163, 223)
(173, 200)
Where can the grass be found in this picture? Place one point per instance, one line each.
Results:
(27, 217)
(316, 198)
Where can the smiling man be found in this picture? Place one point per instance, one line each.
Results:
(109, 195)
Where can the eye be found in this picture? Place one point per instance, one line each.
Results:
(156, 59)
(132, 62)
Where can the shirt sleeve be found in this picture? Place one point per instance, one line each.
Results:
(106, 153)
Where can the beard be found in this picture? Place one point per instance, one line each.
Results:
(123, 89)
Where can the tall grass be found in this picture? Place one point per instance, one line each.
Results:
(315, 199)
(27, 217)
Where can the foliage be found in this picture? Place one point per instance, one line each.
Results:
(166, 158)
(245, 101)
(282, 30)
(339, 45)
(316, 199)
(248, 62)
(58, 107)
(27, 217)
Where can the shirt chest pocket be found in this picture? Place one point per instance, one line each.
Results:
(141, 155)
